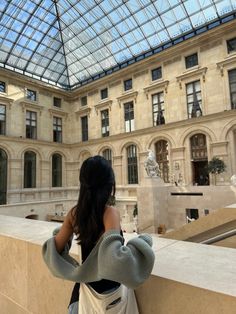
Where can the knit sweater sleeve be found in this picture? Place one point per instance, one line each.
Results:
(130, 264)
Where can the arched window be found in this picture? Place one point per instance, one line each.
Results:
(162, 158)
(29, 170)
(56, 170)
(199, 159)
(132, 164)
(3, 177)
(107, 154)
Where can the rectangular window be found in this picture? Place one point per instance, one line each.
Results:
(57, 102)
(2, 87)
(132, 164)
(158, 109)
(231, 45)
(2, 120)
(84, 128)
(104, 93)
(129, 116)
(232, 87)
(83, 101)
(194, 99)
(128, 84)
(31, 124)
(156, 74)
(191, 214)
(105, 122)
(57, 129)
(31, 95)
(191, 61)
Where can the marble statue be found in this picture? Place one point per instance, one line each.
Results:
(233, 179)
(151, 166)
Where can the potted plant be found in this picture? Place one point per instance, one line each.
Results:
(215, 167)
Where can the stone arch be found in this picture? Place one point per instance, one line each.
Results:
(230, 126)
(32, 149)
(196, 129)
(84, 154)
(155, 138)
(59, 152)
(102, 147)
(123, 146)
(8, 150)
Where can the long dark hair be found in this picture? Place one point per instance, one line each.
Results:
(97, 185)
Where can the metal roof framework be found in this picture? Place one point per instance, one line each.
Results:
(69, 43)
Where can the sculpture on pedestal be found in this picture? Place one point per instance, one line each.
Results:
(151, 166)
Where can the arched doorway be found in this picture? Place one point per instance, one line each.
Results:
(3, 177)
(162, 158)
(199, 159)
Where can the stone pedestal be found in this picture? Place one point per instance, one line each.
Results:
(152, 204)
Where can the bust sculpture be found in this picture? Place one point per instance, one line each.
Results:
(151, 166)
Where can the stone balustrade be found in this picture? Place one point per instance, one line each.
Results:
(187, 277)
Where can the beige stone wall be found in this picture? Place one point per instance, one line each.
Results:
(217, 123)
(186, 278)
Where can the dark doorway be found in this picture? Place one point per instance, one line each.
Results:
(200, 175)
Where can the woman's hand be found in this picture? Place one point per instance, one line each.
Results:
(111, 218)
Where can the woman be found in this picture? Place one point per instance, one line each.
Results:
(106, 262)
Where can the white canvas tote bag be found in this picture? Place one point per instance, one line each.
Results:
(120, 301)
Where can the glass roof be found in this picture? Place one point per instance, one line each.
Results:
(69, 43)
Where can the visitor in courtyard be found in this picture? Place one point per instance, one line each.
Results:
(108, 265)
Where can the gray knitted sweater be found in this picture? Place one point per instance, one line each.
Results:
(110, 259)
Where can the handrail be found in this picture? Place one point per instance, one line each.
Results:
(220, 237)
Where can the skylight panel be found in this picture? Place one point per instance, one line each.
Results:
(94, 37)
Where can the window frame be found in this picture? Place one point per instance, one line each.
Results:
(29, 93)
(104, 93)
(162, 158)
(30, 179)
(129, 126)
(82, 102)
(232, 93)
(55, 100)
(231, 50)
(153, 75)
(4, 88)
(128, 84)
(32, 129)
(57, 129)
(132, 164)
(4, 121)
(105, 123)
(160, 108)
(190, 104)
(107, 154)
(190, 61)
(84, 128)
(56, 173)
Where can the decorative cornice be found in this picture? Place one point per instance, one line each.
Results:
(192, 73)
(103, 105)
(6, 101)
(29, 105)
(227, 62)
(83, 112)
(157, 85)
(127, 95)
(58, 112)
